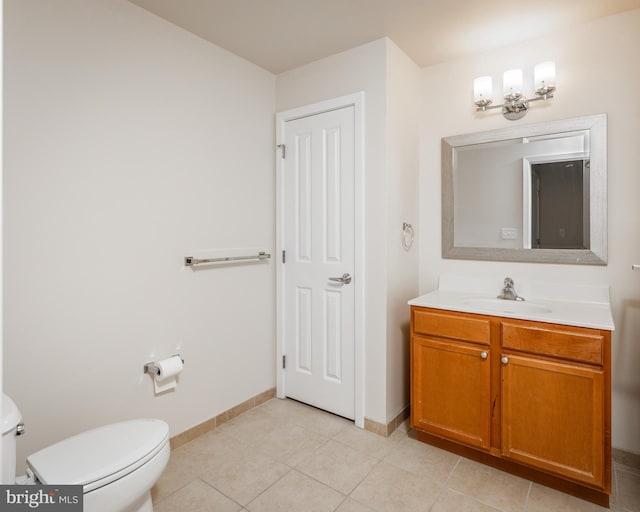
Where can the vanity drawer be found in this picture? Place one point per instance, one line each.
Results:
(579, 345)
(448, 325)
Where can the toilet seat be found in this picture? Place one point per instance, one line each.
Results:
(100, 456)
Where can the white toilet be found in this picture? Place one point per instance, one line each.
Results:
(117, 464)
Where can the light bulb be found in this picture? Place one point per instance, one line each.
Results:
(482, 90)
(545, 76)
(512, 83)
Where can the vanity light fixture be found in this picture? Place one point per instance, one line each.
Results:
(515, 105)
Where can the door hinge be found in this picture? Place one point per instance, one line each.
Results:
(284, 256)
(284, 149)
(284, 362)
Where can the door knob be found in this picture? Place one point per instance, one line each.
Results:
(345, 279)
(484, 354)
(504, 359)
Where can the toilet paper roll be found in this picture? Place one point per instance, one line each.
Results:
(169, 369)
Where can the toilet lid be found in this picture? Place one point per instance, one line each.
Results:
(96, 457)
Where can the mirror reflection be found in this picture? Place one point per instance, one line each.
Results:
(557, 208)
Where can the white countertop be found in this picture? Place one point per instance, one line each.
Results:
(578, 305)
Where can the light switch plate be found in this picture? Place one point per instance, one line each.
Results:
(509, 233)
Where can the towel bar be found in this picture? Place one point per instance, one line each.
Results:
(190, 260)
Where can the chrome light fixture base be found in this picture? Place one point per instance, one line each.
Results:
(516, 109)
(483, 104)
(515, 106)
(546, 91)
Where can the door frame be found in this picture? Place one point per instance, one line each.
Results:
(357, 102)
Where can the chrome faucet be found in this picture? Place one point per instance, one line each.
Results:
(509, 292)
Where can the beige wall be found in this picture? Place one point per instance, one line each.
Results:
(598, 72)
(130, 143)
(402, 199)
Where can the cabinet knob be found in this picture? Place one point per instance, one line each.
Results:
(504, 359)
(483, 355)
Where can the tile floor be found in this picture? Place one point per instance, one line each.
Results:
(286, 456)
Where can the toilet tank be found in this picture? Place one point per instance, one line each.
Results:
(9, 421)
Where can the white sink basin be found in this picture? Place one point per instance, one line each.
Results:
(507, 306)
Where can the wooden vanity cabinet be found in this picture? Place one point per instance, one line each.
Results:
(459, 372)
(452, 385)
(528, 397)
(552, 417)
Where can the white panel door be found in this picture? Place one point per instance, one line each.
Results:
(318, 273)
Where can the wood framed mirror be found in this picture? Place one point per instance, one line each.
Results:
(532, 193)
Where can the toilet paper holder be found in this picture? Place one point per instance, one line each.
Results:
(152, 368)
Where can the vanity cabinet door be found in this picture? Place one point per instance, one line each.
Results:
(450, 390)
(553, 416)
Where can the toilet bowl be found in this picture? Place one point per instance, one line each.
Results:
(116, 464)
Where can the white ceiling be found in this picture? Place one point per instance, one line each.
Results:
(279, 35)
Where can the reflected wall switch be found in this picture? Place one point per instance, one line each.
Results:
(509, 233)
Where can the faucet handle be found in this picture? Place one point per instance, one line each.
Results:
(509, 292)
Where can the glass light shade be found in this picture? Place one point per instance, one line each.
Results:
(545, 75)
(482, 88)
(512, 82)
